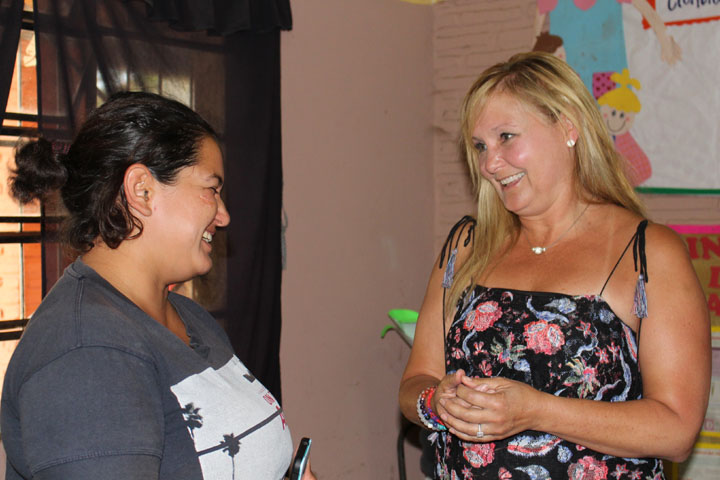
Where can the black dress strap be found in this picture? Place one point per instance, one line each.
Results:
(640, 264)
(449, 251)
(633, 241)
(451, 245)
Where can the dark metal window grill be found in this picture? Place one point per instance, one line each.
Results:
(12, 329)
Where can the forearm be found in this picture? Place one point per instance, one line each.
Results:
(410, 390)
(652, 17)
(639, 428)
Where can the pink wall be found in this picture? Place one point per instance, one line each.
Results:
(357, 159)
(373, 181)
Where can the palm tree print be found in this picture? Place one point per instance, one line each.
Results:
(231, 445)
(192, 417)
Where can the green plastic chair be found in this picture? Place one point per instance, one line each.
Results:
(404, 321)
(401, 316)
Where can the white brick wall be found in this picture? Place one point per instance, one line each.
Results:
(469, 36)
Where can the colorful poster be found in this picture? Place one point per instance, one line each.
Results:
(703, 243)
(652, 67)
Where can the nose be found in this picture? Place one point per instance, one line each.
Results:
(493, 161)
(222, 217)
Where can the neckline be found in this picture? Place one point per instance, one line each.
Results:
(196, 344)
(598, 297)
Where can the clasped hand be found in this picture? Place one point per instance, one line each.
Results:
(501, 406)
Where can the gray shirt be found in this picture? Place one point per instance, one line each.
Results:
(98, 389)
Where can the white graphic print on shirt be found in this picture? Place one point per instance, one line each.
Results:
(238, 427)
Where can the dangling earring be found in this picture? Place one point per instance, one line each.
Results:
(570, 143)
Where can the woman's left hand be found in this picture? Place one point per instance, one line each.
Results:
(497, 407)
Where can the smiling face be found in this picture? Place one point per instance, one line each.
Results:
(617, 121)
(524, 155)
(188, 212)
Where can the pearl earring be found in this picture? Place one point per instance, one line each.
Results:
(570, 143)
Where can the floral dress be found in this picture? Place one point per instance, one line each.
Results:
(570, 346)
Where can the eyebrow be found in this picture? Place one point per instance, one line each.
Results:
(216, 177)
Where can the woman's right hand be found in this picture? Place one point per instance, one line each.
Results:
(446, 389)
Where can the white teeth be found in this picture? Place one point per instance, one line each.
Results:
(207, 236)
(512, 178)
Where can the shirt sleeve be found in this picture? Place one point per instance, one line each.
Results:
(95, 412)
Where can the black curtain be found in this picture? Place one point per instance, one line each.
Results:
(222, 57)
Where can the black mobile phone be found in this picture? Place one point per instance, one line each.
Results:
(299, 463)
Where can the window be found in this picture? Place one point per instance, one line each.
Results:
(31, 259)
(27, 246)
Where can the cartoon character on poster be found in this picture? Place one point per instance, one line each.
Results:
(618, 106)
(589, 36)
(592, 33)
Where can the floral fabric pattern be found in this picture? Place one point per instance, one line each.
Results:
(569, 346)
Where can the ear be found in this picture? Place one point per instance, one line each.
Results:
(571, 133)
(138, 185)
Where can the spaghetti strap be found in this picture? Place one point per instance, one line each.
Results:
(622, 255)
(451, 246)
(640, 263)
(449, 251)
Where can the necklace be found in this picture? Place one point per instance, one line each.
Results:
(539, 250)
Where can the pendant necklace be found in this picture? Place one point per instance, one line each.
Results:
(540, 250)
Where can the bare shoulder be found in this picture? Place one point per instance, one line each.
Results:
(665, 247)
(459, 242)
(672, 283)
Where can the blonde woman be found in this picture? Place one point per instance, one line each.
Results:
(529, 357)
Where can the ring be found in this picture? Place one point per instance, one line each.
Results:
(480, 433)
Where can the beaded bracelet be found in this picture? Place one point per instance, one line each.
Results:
(425, 413)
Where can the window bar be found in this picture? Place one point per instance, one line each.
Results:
(22, 281)
(43, 252)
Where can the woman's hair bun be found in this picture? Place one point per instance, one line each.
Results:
(38, 171)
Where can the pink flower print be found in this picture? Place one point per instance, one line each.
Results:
(588, 468)
(602, 356)
(486, 368)
(457, 336)
(615, 350)
(620, 470)
(635, 475)
(503, 474)
(585, 328)
(544, 337)
(457, 353)
(479, 454)
(478, 347)
(483, 317)
(467, 473)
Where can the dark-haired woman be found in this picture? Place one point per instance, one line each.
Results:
(562, 335)
(115, 377)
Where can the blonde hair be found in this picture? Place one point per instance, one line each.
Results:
(545, 84)
(622, 98)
